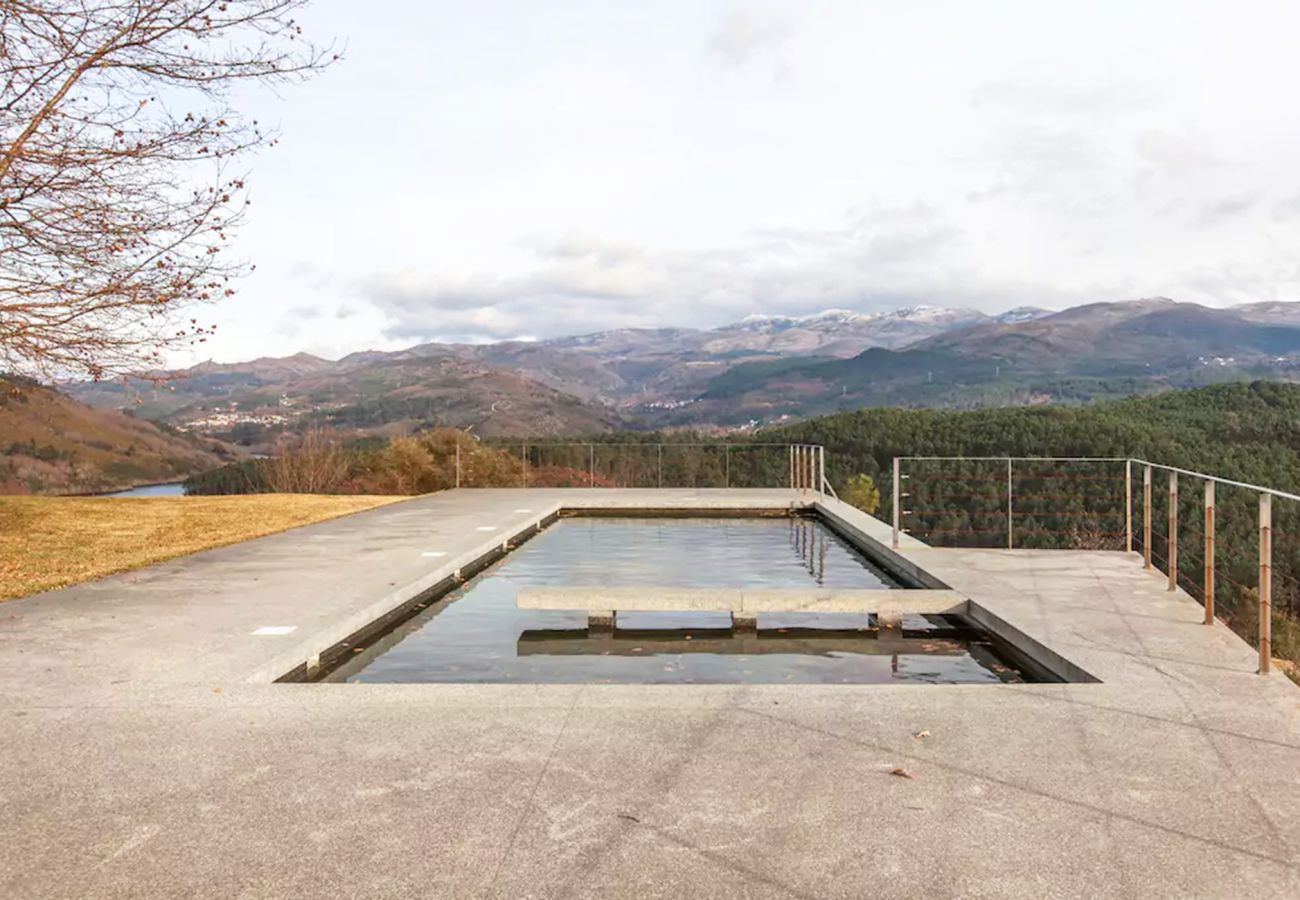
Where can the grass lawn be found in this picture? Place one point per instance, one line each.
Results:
(52, 542)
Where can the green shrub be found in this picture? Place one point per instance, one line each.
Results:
(861, 491)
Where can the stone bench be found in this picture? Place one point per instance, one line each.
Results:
(602, 604)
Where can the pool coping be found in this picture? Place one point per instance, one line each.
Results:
(383, 616)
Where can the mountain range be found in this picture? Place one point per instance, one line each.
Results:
(760, 370)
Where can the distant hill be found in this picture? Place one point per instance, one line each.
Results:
(1132, 338)
(762, 369)
(1088, 353)
(378, 395)
(601, 381)
(50, 443)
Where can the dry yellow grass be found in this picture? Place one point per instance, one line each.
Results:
(52, 542)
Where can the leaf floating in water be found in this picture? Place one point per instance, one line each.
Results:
(901, 772)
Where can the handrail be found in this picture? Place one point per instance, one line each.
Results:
(1215, 478)
(542, 442)
(1128, 459)
(1023, 458)
(827, 488)
(1264, 586)
(807, 462)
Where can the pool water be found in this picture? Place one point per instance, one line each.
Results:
(477, 634)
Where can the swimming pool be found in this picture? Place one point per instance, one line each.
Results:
(477, 633)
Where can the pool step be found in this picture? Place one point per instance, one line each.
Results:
(602, 604)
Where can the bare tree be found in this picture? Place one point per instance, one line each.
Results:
(315, 464)
(117, 193)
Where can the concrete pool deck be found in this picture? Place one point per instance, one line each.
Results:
(146, 753)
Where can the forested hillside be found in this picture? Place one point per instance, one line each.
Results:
(52, 444)
(1249, 432)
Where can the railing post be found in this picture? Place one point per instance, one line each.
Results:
(790, 453)
(897, 498)
(821, 470)
(1209, 552)
(1010, 535)
(1146, 517)
(591, 470)
(457, 461)
(523, 457)
(726, 456)
(1265, 583)
(1173, 531)
(1128, 506)
(661, 463)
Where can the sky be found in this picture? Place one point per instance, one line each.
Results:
(494, 170)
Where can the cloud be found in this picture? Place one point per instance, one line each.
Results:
(1287, 209)
(1177, 154)
(746, 33)
(1225, 208)
(1039, 98)
(879, 257)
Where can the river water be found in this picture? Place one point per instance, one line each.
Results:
(151, 490)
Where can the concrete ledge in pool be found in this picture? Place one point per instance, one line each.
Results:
(479, 631)
(604, 603)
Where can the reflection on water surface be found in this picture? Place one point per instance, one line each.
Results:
(477, 634)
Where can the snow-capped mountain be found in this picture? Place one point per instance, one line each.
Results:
(823, 319)
(831, 318)
(1021, 314)
(836, 332)
(888, 329)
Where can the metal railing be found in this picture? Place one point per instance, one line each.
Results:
(1214, 537)
(800, 467)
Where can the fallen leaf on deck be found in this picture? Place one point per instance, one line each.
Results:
(921, 735)
(901, 773)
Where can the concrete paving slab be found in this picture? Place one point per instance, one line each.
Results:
(147, 754)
